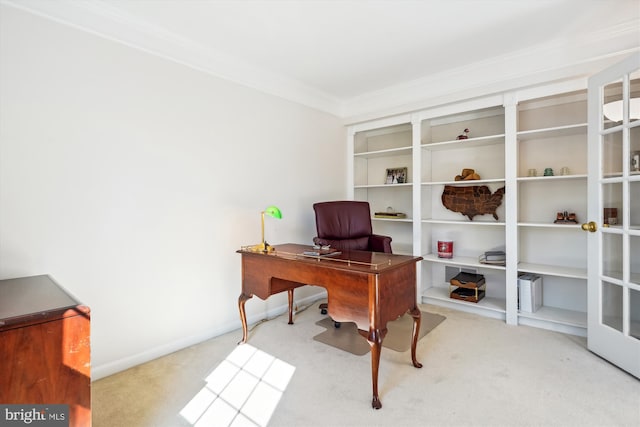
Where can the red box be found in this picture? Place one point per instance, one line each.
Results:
(445, 249)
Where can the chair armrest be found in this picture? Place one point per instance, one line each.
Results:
(358, 243)
(380, 243)
(376, 243)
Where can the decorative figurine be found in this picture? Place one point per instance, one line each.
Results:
(467, 175)
(566, 217)
(465, 134)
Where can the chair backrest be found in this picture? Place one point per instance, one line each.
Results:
(346, 223)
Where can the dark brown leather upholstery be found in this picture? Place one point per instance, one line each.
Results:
(347, 225)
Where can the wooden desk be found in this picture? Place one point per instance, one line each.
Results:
(367, 288)
(45, 356)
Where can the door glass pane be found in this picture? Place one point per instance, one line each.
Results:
(612, 305)
(634, 259)
(612, 108)
(612, 255)
(612, 204)
(634, 108)
(612, 155)
(634, 300)
(634, 205)
(634, 150)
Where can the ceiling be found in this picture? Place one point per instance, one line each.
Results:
(355, 56)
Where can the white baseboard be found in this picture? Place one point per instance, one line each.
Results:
(107, 369)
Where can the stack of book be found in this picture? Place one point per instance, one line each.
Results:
(493, 258)
(391, 215)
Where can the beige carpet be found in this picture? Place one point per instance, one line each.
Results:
(478, 371)
(398, 337)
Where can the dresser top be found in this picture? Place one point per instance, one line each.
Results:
(27, 299)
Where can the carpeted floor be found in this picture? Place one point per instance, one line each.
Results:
(477, 372)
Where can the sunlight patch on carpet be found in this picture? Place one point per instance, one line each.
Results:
(243, 390)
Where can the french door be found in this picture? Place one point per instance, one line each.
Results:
(614, 213)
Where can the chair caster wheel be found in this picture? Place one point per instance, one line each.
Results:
(336, 325)
(323, 311)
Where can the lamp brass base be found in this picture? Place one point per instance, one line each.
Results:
(263, 247)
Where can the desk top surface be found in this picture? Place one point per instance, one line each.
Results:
(27, 298)
(351, 259)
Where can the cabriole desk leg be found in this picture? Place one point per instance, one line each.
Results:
(290, 297)
(374, 338)
(417, 316)
(243, 315)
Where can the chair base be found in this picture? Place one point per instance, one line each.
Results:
(323, 309)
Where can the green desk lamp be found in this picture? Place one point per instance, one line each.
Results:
(264, 246)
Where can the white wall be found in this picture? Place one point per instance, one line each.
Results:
(132, 181)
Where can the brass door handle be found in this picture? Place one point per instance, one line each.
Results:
(590, 226)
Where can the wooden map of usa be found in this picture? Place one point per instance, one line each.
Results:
(472, 200)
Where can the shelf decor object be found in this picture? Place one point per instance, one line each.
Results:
(493, 258)
(274, 212)
(529, 292)
(468, 287)
(635, 161)
(610, 216)
(467, 175)
(390, 213)
(396, 176)
(472, 200)
(465, 134)
(445, 249)
(566, 218)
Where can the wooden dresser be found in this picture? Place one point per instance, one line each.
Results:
(45, 349)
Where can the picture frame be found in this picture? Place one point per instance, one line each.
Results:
(396, 176)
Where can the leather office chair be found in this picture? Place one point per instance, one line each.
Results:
(346, 225)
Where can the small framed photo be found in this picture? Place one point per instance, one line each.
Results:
(396, 176)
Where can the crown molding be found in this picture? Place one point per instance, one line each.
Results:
(104, 20)
(549, 62)
(568, 58)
